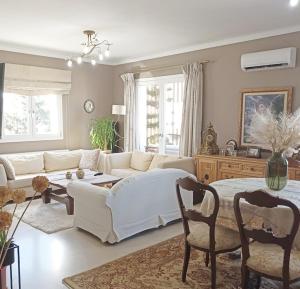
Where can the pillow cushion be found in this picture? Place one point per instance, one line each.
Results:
(140, 161)
(158, 159)
(89, 159)
(27, 164)
(57, 161)
(8, 167)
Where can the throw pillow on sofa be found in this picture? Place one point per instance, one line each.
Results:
(89, 159)
(27, 163)
(8, 167)
(58, 161)
(140, 161)
(158, 159)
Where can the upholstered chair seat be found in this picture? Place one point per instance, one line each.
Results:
(268, 259)
(226, 239)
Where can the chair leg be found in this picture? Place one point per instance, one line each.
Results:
(245, 277)
(258, 282)
(206, 259)
(187, 253)
(213, 262)
(286, 284)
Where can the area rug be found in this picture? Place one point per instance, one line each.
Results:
(49, 218)
(159, 267)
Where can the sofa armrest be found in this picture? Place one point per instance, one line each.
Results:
(81, 191)
(118, 161)
(3, 177)
(186, 164)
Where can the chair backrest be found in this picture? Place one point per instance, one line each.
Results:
(191, 185)
(264, 200)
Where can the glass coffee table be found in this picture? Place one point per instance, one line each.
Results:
(58, 187)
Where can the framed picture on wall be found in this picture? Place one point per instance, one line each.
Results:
(277, 99)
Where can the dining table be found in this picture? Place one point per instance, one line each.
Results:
(278, 219)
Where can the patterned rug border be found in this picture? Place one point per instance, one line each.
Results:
(74, 286)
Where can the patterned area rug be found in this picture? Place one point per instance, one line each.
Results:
(159, 267)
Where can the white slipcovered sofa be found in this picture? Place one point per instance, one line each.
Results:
(135, 204)
(18, 170)
(129, 163)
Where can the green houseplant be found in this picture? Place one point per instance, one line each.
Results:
(102, 134)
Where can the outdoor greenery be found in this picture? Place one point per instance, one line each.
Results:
(102, 133)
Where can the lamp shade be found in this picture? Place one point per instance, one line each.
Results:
(118, 109)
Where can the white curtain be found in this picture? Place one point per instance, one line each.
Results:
(130, 140)
(191, 125)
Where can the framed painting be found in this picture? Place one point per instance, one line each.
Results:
(277, 99)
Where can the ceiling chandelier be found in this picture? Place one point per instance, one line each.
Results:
(91, 46)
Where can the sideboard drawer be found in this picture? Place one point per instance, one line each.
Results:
(206, 171)
(228, 175)
(258, 171)
(225, 166)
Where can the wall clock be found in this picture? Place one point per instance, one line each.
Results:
(89, 106)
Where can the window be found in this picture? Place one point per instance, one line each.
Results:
(159, 102)
(29, 118)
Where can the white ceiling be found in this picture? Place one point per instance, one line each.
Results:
(140, 29)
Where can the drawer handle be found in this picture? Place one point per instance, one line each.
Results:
(229, 166)
(251, 169)
(206, 177)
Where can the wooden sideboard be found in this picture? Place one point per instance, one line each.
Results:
(211, 168)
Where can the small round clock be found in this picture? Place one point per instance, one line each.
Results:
(89, 106)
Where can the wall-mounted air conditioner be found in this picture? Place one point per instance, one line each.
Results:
(271, 59)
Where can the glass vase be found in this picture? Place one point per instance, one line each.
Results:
(277, 172)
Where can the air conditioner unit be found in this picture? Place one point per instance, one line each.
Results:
(271, 59)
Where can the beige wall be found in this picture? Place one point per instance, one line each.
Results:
(87, 82)
(224, 79)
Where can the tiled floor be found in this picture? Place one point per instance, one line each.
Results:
(47, 259)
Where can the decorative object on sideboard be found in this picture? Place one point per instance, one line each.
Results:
(80, 174)
(231, 148)
(102, 134)
(119, 110)
(92, 44)
(258, 101)
(89, 106)
(209, 141)
(68, 175)
(280, 133)
(253, 152)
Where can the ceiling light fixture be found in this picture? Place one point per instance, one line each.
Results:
(91, 45)
(294, 3)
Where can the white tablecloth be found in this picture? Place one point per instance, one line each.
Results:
(279, 219)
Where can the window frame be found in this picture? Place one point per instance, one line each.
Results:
(160, 81)
(32, 137)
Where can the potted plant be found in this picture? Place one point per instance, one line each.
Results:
(102, 134)
(281, 134)
(7, 229)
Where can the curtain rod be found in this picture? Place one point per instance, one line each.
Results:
(146, 69)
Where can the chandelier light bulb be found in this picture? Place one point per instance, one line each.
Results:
(70, 63)
(93, 62)
(294, 3)
(107, 52)
(79, 59)
(100, 56)
(85, 50)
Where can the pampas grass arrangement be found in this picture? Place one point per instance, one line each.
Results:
(280, 133)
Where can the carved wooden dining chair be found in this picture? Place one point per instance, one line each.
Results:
(204, 234)
(264, 253)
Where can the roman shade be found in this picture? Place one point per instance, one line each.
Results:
(33, 80)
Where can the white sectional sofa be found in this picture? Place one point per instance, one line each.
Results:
(129, 163)
(135, 204)
(25, 166)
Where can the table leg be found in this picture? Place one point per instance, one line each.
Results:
(46, 196)
(69, 201)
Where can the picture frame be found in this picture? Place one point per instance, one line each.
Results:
(278, 99)
(253, 152)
